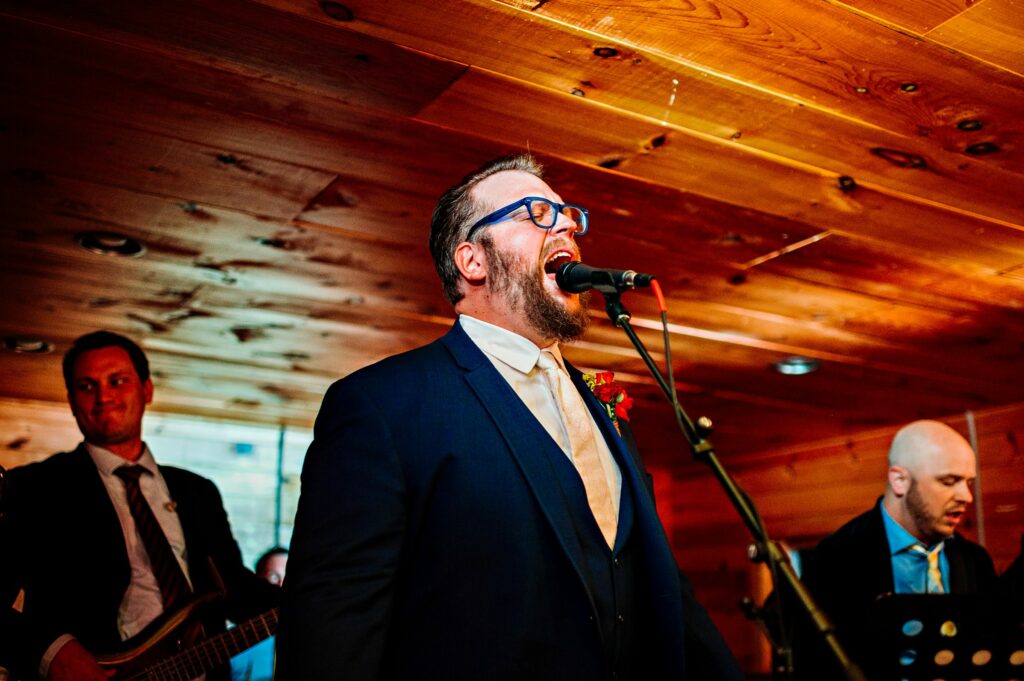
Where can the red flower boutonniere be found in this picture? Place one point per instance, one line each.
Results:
(611, 395)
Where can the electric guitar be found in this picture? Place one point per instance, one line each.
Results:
(172, 648)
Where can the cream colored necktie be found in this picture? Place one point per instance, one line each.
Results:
(585, 456)
(934, 585)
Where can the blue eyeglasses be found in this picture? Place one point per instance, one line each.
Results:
(543, 212)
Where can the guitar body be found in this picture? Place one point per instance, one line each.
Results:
(164, 638)
(174, 648)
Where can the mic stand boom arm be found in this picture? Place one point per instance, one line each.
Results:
(704, 452)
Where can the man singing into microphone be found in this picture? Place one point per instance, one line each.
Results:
(468, 510)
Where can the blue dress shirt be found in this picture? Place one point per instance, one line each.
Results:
(910, 569)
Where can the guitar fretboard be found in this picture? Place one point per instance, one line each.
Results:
(212, 652)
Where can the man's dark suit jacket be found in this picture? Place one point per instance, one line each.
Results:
(433, 540)
(63, 544)
(852, 567)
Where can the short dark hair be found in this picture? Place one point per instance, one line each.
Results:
(276, 551)
(450, 222)
(104, 339)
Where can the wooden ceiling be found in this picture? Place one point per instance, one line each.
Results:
(839, 181)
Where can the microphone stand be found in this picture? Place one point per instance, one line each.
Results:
(704, 452)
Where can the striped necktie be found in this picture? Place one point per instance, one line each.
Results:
(933, 584)
(585, 455)
(173, 586)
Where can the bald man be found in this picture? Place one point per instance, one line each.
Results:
(908, 542)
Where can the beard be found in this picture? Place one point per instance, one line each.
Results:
(519, 282)
(918, 509)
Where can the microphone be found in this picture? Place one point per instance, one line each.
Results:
(575, 277)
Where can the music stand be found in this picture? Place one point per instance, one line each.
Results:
(947, 637)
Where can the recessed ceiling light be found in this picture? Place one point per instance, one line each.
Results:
(796, 366)
(110, 243)
(28, 346)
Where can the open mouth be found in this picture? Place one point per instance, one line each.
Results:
(557, 259)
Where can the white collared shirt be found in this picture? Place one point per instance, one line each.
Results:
(142, 601)
(515, 358)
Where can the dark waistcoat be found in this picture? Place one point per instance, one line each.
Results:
(610, 573)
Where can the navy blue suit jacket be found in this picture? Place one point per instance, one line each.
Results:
(433, 542)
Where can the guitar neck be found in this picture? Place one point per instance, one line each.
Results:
(217, 650)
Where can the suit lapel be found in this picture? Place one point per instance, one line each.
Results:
(959, 580)
(525, 444)
(102, 522)
(878, 569)
(659, 554)
(635, 493)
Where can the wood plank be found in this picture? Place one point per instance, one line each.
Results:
(249, 118)
(819, 54)
(258, 43)
(992, 31)
(791, 225)
(913, 16)
(263, 331)
(151, 163)
(641, 82)
(34, 430)
(228, 126)
(731, 359)
(869, 269)
(192, 100)
(218, 249)
(868, 213)
(723, 172)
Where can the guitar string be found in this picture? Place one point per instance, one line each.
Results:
(190, 661)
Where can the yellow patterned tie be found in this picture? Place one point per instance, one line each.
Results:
(585, 456)
(934, 585)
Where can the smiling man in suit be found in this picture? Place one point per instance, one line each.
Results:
(102, 540)
(468, 509)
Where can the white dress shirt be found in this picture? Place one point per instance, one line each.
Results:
(515, 358)
(142, 601)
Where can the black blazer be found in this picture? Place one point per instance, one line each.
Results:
(852, 567)
(63, 544)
